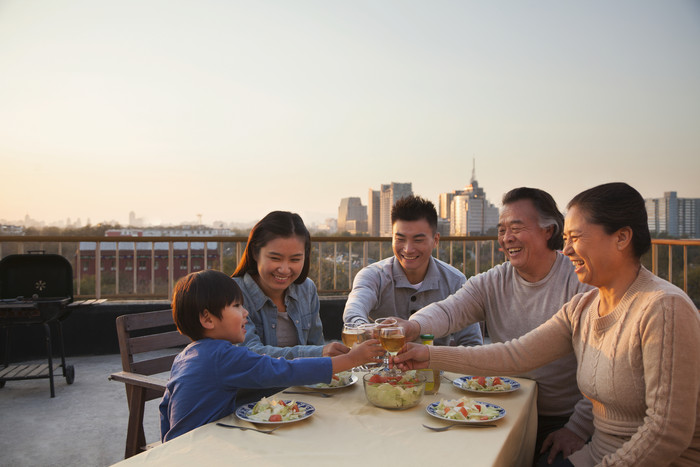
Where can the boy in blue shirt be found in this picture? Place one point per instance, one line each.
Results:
(207, 374)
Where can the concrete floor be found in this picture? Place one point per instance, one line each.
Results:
(84, 425)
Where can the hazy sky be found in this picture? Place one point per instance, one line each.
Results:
(231, 109)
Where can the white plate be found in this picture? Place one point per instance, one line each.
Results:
(244, 411)
(431, 409)
(462, 382)
(324, 386)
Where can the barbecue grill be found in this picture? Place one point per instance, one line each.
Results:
(35, 289)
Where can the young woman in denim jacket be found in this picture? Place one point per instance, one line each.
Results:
(283, 303)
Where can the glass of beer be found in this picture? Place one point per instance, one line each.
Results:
(352, 334)
(392, 339)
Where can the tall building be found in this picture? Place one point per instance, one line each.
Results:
(388, 195)
(352, 215)
(468, 210)
(373, 212)
(674, 216)
(444, 203)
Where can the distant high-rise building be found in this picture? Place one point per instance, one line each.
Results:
(388, 195)
(677, 217)
(373, 212)
(444, 203)
(468, 210)
(352, 211)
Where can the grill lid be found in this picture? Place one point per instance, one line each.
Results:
(39, 277)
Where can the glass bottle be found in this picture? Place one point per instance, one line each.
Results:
(432, 377)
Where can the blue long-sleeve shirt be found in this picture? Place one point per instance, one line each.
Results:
(208, 373)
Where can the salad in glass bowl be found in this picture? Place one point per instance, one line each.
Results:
(400, 391)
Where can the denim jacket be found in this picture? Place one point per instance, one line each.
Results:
(303, 308)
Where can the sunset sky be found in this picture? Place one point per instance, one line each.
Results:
(230, 109)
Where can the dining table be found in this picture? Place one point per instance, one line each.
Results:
(346, 429)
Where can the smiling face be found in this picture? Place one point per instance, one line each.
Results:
(524, 241)
(592, 251)
(280, 263)
(413, 243)
(231, 325)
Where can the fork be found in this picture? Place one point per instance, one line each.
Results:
(244, 428)
(468, 425)
(322, 394)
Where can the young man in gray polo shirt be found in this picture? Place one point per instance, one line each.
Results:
(412, 278)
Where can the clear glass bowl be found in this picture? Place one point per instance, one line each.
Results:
(389, 392)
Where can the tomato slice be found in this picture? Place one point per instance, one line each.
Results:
(377, 379)
(497, 380)
(464, 412)
(276, 418)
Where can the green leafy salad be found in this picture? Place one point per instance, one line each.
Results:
(273, 410)
(339, 380)
(488, 383)
(394, 392)
(466, 409)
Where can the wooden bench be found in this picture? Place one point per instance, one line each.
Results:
(141, 334)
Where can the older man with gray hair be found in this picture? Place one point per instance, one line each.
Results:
(517, 296)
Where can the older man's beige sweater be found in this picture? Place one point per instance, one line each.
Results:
(639, 365)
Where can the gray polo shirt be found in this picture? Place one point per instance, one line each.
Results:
(382, 289)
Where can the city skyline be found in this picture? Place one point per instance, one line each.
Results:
(211, 111)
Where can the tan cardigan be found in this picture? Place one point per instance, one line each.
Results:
(639, 365)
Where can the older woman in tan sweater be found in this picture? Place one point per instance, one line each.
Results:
(636, 339)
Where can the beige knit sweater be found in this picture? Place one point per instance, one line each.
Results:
(639, 365)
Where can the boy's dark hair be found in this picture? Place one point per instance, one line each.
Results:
(414, 208)
(546, 208)
(277, 224)
(204, 290)
(614, 206)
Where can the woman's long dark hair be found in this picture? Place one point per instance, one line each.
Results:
(277, 224)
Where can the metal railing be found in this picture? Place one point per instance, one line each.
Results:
(150, 271)
(117, 272)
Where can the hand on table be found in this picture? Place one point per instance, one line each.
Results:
(412, 357)
(563, 440)
(334, 348)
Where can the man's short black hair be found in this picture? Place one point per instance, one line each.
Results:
(414, 208)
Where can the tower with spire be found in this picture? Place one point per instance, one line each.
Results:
(467, 211)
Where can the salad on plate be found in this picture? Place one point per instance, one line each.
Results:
(487, 384)
(339, 380)
(465, 409)
(271, 410)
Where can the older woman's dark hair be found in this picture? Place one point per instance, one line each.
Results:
(204, 290)
(614, 206)
(277, 224)
(546, 208)
(414, 208)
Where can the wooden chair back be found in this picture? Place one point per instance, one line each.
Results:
(148, 344)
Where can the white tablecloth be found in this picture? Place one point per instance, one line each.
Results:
(346, 430)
